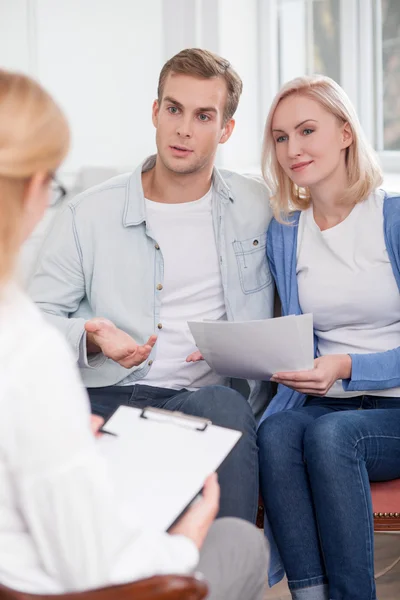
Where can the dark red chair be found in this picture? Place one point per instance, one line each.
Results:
(385, 503)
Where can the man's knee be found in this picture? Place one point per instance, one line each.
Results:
(104, 401)
(223, 405)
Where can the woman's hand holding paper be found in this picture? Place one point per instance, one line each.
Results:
(319, 380)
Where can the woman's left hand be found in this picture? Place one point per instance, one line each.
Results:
(319, 380)
(96, 422)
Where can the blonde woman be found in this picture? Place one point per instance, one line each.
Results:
(60, 528)
(334, 250)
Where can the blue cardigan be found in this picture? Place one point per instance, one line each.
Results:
(374, 371)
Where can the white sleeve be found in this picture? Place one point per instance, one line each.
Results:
(62, 485)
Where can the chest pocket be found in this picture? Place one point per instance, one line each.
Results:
(251, 257)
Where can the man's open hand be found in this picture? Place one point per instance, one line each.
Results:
(103, 336)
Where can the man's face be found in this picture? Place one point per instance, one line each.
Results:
(189, 122)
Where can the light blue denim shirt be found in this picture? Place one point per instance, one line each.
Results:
(100, 259)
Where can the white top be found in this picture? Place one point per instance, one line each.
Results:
(346, 280)
(60, 525)
(192, 290)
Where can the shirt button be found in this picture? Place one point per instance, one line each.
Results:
(255, 243)
(157, 247)
(159, 326)
(150, 363)
(159, 286)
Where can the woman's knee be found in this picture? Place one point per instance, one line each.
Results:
(328, 437)
(280, 432)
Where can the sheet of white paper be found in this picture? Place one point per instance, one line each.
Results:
(158, 467)
(256, 349)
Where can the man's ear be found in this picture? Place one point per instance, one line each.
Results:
(227, 131)
(154, 113)
(347, 135)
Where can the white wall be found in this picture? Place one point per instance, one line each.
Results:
(292, 38)
(15, 35)
(100, 59)
(237, 30)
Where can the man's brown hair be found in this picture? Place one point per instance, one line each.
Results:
(204, 64)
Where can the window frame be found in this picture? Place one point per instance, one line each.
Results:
(360, 64)
(361, 22)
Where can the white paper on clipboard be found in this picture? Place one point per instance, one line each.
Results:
(159, 460)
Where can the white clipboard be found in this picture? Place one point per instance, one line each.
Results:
(159, 460)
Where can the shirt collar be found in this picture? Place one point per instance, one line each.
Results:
(135, 207)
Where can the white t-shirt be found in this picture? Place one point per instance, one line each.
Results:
(346, 280)
(60, 524)
(192, 290)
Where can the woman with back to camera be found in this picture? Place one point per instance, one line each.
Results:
(60, 527)
(334, 250)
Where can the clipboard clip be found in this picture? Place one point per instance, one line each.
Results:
(177, 418)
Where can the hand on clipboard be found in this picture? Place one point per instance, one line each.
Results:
(96, 422)
(198, 519)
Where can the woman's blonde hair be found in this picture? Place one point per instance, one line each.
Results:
(34, 137)
(363, 170)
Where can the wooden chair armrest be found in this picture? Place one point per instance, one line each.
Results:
(161, 587)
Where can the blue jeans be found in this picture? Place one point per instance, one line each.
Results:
(238, 475)
(315, 466)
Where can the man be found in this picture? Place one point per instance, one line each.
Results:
(130, 261)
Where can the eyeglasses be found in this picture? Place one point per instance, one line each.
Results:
(58, 191)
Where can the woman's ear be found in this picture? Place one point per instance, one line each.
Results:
(347, 135)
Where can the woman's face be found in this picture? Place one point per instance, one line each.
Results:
(310, 142)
